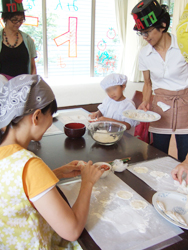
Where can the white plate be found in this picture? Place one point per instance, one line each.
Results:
(106, 172)
(141, 115)
(174, 202)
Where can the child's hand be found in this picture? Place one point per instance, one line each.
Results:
(102, 118)
(93, 115)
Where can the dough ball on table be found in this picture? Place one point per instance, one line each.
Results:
(81, 163)
(158, 174)
(125, 195)
(141, 170)
(138, 204)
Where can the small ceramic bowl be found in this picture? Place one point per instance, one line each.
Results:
(104, 165)
(74, 130)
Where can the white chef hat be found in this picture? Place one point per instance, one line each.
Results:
(113, 80)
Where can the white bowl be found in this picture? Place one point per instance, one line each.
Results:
(106, 172)
(106, 133)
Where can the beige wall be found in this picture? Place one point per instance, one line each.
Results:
(68, 94)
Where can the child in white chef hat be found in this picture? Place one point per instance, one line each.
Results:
(115, 103)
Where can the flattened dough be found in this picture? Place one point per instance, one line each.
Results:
(125, 195)
(141, 170)
(158, 174)
(138, 204)
(161, 206)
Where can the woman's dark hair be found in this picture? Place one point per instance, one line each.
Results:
(52, 107)
(4, 133)
(9, 15)
(164, 19)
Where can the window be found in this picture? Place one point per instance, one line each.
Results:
(79, 43)
(69, 38)
(33, 26)
(106, 39)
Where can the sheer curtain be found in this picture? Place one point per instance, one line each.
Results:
(137, 75)
(131, 43)
(179, 6)
(129, 40)
(121, 19)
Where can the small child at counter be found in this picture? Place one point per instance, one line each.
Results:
(115, 103)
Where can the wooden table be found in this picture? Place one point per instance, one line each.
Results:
(57, 150)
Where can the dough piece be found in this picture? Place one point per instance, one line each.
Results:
(181, 219)
(81, 163)
(138, 204)
(141, 170)
(161, 206)
(158, 174)
(142, 116)
(171, 215)
(176, 217)
(125, 195)
(182, 188)
(118, 165)
(92, 120)
(104, 136)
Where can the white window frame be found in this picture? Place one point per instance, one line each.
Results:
(45, 48)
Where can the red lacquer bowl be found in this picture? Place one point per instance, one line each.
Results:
(74, 130)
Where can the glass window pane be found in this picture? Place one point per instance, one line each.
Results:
(33, 27)
(69, 37)
(106, 38)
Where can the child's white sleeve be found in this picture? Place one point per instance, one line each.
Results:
(103, 106)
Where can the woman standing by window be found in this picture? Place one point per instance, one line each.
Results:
(17, 49)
